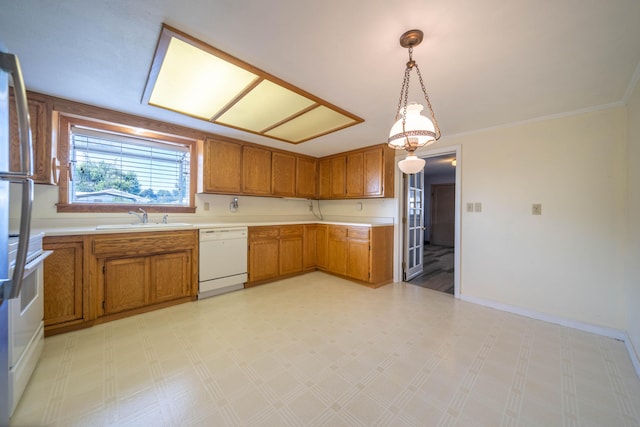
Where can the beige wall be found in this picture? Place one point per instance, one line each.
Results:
(568, 262)
(250, 209)
(633, 222)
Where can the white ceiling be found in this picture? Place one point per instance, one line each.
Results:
(485, 63)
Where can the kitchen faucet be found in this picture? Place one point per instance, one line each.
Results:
(143, 217)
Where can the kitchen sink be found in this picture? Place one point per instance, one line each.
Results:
(142, 225)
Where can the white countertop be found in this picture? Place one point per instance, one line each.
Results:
(129, 228)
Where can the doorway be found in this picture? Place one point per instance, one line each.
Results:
(430, 225)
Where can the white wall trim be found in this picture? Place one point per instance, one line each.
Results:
(632, 353)
(587, 327)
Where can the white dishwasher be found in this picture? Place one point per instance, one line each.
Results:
(223, 260)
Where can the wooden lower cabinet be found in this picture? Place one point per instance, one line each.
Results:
(137, 282)
(64, 290)
(263, 254)
(274, 252)
(96, 278)
(321, 246)
(139, 271)
(361, 253)
(358, 266)
(170, 276)
(310, 247)
(125, 283)
(337, 250)
(290, 249)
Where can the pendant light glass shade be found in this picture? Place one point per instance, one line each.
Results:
(418, 131)
(411, 164)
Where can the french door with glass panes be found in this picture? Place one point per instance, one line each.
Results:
(414, 225)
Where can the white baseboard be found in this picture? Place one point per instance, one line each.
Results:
(607, 332)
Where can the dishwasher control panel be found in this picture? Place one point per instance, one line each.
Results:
(223, 233)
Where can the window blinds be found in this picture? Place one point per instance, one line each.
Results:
(115, 168)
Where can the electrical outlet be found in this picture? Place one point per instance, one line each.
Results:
(311, 206)
(536, 209)
(206, 206)
(470, 207)
(477, 207)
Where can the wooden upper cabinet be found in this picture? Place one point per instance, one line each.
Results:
(40, 114)
(363, 173)
(283, 174)
(373, 172)
(306, 178)
(222, 167)
(338, 176)
(324, 179)
(256, 171)
(355, 175)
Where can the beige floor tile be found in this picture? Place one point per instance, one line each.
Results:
(321, 351)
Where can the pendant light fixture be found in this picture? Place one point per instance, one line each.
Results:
(412, 129)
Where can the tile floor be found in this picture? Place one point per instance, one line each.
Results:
(320, 351)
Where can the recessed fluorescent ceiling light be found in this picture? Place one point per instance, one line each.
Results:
(190, 77)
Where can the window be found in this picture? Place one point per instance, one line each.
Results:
(114, 168)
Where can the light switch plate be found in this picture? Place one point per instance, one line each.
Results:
(477, 207)
(469, 207)
(536, 209)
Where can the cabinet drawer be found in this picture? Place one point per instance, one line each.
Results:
(291, 230)
(143, 244)
(361, 233)
(257, 233)
(337, 232)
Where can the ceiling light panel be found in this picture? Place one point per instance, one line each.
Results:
(266, 104)
(190, 77)
(196, 83)
(317, 122)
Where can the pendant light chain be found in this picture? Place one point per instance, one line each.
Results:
(433, 116)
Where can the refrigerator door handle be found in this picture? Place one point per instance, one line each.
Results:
(13, 287)
(10, 64)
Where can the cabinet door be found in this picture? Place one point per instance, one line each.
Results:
(355, 167)
(222, 167)
(337, 250)
(321, 246)
(170, 276)
(256, 171)
(358, 255)
(63, 285)
(310, 242)
(324, 179)
(338, 175)
(126, 284)
(263, 259)
(283, 174)
(290, 249)
(373, 172)
(306, 178)
(40, 121)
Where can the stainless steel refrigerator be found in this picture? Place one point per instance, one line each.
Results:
(11, 274)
